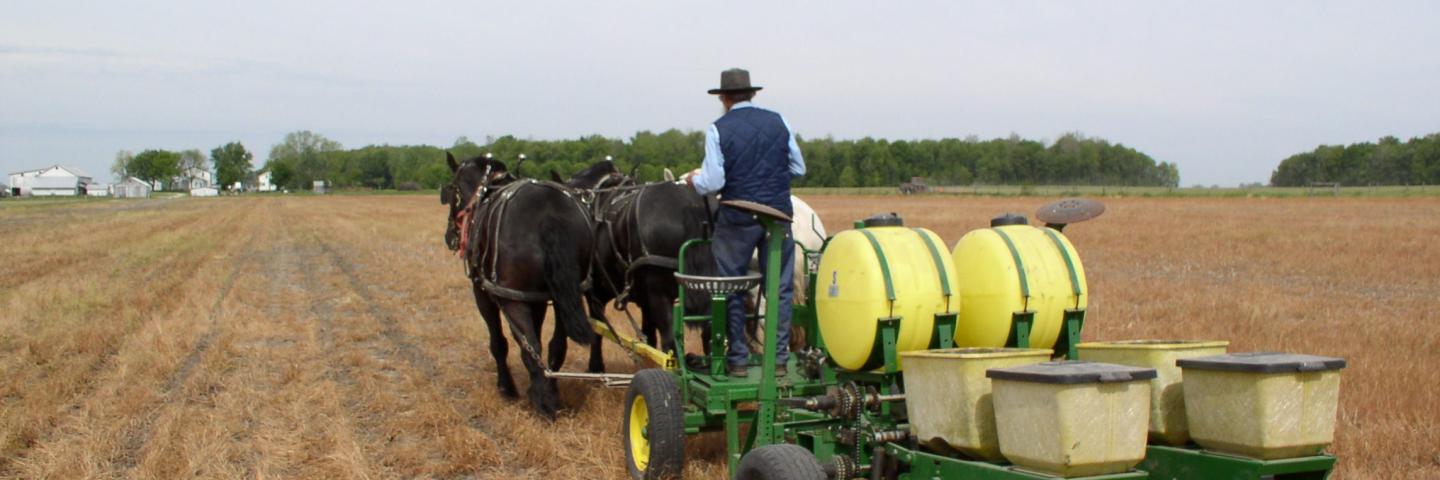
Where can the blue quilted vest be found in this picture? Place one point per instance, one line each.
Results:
(756, 146)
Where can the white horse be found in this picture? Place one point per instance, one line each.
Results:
(807, 230)
(809, 235)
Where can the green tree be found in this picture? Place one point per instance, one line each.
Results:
(281, 174)
(303, 152)
(232, 163)
(152, 165)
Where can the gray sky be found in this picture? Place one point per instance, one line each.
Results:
(1225, 90)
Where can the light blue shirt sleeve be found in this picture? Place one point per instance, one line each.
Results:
(797, 161)
(712, 170)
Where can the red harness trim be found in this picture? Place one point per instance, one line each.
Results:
(464, 218)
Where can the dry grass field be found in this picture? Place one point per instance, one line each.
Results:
(334, 337)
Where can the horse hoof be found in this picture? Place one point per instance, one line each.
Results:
(546, 408)
(509, 391)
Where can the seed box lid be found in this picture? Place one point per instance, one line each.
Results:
(1072, 372)
(1263, 362)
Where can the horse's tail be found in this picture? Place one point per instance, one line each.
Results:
(564, 273)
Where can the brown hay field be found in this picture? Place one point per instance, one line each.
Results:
(335, 337)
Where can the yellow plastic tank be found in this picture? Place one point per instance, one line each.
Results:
(1262, 405)
(948, 400)
(1167, 398)
(871, 273)
(1072, 419)
(1012, 268)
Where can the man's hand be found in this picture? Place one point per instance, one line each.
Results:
(689, 178)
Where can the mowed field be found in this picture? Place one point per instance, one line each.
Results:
(335, 337)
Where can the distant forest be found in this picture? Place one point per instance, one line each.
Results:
(1073, 159)
(1387, 162)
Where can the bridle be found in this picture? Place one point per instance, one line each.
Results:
(465, 217)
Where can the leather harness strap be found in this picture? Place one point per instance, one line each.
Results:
(491, 214)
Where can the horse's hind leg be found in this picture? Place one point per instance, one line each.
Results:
(658, 320)
(557, 347)
(525, 321)
(499, 347)
(597, 360)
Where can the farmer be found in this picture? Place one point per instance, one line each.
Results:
(750, 154)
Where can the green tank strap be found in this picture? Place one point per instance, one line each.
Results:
(884, 265)
(1019, 265)
(935, 255)
(1069, 264)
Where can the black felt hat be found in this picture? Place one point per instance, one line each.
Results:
(734, 80)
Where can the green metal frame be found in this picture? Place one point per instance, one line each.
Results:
(1193, 463)
(929, 466)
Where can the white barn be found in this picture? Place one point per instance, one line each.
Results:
(55, 180)
(97, 190)
(132, 188)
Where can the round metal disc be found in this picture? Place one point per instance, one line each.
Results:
(1070, 210)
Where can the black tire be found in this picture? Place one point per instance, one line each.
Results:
(663, 426)
(780, 462)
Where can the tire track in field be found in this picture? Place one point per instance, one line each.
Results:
(418, 359)
(321, 309)
(103, 361)
(138, 435)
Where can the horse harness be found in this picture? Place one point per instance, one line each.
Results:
(627, 200)
(492, 206)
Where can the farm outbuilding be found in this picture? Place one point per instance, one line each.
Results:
(97, 190)
(56, 187)
(55, 180)
(132, 188)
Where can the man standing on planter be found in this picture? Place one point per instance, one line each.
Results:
(750, 154)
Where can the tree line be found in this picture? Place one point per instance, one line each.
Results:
(1073, 159)
(231, 162)
(1385, 162)
(303, 157)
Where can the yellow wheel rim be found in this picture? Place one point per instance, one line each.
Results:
(639, 443)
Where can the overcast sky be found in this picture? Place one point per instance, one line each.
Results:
(1225, 90)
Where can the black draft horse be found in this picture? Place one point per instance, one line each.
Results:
(525, 243)
(638, 233)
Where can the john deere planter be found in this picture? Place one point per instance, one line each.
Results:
(927, 362)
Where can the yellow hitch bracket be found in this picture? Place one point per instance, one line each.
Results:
(652, 354)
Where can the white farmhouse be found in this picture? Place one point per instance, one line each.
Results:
(193, 178)
(132, 188)
(263, 183)
(55, 180)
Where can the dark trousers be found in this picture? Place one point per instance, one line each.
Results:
(733, 243)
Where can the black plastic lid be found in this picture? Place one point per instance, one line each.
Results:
(1263, 362)
(884, 220)
(1009, 219)
(1070, 372)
